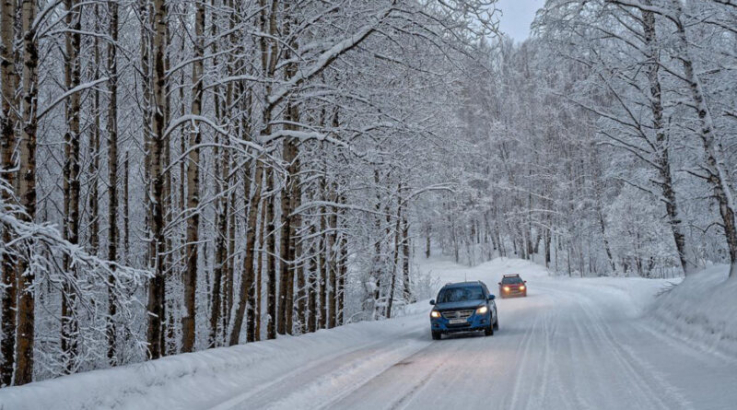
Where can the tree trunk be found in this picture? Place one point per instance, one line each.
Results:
(428, 240)
(72, 76)
(405, 261)
(343, 273)
(8, 118)
(295, 243)
(332, 257)
(221, 250)
(157, 283)
(112, 158)
(271, 259)
(246, 294)
(285, 270)
(395, 268)
(322, 261)
(126, 208)
(663, 140)
(27, 193)
(94, 149)
(193, 188)
(312, 282)
(254, 320)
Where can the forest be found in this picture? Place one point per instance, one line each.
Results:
(179, 175)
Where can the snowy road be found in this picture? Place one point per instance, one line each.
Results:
(572, 344)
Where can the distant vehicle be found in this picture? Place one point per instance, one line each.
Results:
(463, 307)
(512, 285)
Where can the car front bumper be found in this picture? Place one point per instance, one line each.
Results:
(473, 323)
(512, 293)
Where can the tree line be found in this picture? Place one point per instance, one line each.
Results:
(604, 144)
(186, 174)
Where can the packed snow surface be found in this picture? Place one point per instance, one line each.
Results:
(605, 343)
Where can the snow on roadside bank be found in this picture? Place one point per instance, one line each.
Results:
(207, 378)
(702, 311)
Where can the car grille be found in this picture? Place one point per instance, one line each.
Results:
(457, 314)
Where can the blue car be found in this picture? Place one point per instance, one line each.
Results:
(463, 307)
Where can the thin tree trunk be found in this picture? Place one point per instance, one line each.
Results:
(246, 294)
(343, 273)
(94, 149)
(332, 256)
(405, 261)
(112, 158)
(126, 208)
(312, 282)
(322, 258)
(193, 188)
(295, 243)
(221, 248)
(157, 283)
(25, 335)
(254, 328)
(72, 77)
(376, 268)
(8, 119)
(285, 270)
(230, 271)
(271, 301)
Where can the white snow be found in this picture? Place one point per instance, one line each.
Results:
(571, 344)
(701, 311)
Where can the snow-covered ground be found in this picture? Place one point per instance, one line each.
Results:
(604, 343)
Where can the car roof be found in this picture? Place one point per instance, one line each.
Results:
(463, 284)
(513, 275)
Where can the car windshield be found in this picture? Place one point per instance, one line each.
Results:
(512, 281)
(461, 294)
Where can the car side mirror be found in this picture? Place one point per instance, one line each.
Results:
(492, 297)
(432, 302)
(500, 284)
(525, 281)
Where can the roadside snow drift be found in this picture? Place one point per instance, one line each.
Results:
(702, 310)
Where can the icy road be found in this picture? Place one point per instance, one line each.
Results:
(571, 344)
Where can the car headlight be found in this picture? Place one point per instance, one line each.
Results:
(506, 288)
(521, 288)
(435, 314)
(482, 310)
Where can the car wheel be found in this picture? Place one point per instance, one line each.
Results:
(496, 324)
(489, 331)
(436, 335)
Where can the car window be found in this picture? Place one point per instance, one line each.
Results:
(511, 281)
(461, 294)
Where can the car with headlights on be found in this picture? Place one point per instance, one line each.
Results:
(463, 307)
(512, 285)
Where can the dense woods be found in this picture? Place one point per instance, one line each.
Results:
(180, 175)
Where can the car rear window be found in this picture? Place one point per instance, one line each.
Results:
(511, 281)
(460, 294)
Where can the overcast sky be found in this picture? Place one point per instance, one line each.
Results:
(517, 16)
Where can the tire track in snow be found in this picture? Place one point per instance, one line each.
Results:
(649, 380)
(340, 361)
(643, 385)
(380, 391)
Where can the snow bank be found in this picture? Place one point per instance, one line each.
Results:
(207, 378)
(702, 311)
